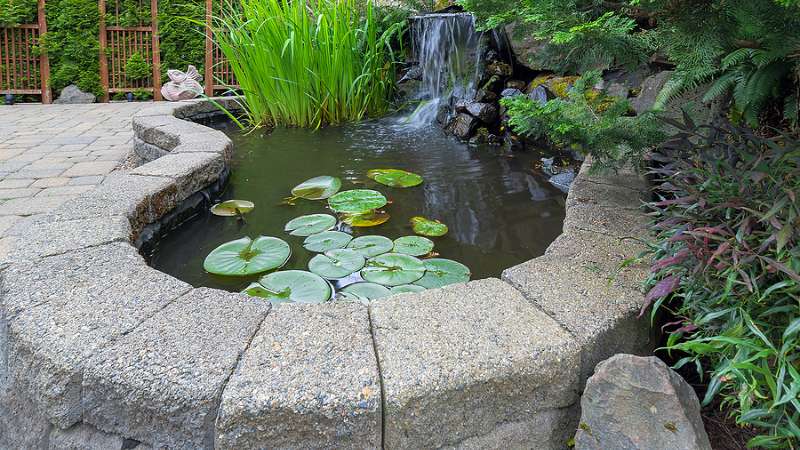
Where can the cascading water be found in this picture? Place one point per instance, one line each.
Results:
(447, 50)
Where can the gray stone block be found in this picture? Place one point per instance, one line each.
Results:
(191, 172)
(22, 425)
(611, 221)
(147, 152)
(587, 192)
(459, 362)
(63, 309)
(213, 141)
(308, 380)
(83, 437)
(601, 314)
(161, 383)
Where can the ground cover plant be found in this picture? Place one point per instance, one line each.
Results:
(309, 63)
(727, 266)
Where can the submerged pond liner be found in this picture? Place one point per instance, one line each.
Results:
(498, 210)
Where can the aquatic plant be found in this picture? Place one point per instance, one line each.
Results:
(246, 256)
(395, 177)
(232, 208)
(427, 227)
(309, 63)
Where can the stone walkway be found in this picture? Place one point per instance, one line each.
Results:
(52, 153)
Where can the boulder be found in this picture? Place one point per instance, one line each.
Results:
(541, 95)
(73, 95)
(559, 86)
(462, 126)
(562, 180)
(485, 96)
(511, 93)
(524, 45)
(651, 86)
(638, 403)
(500, 69)
(516, 84)
(485, 112)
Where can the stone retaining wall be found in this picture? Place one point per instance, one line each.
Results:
(99, 350)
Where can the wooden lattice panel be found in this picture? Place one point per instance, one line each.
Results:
(122, 43)
(20, 70)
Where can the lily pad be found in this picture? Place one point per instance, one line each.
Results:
(317, 188)
(247, 257)
(327, 240)
(369, 219)
(311, 224)
(295, 286)
(336, 264)
(395, 177)
(371, 245)
(256, 290)
(393, 269)
(370, 291)
(406, 288)
(357, 201)
(441, 272)
(232, 208)
(413, 245)
(427, 227)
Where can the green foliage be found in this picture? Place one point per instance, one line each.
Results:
(73, 45)
(727, 264)
(14, 12)
(136, 68)
(182, 35)
(128, 13)
(587, 121)
(309, 64)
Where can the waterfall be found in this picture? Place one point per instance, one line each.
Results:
(447, 50)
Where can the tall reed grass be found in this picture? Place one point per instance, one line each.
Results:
(309, 63)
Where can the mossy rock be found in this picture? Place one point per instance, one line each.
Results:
(559, 86)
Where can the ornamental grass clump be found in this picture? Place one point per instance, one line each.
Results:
(727, 268)
(309, 63)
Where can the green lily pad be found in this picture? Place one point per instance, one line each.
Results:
(327, 240)
(336, 264)
(311, 224)
(256, 290)
(427, 227)
(441, 272)
(295, 286)
(406, 288)
(232, 208)
(369, 219)
(317, 188)
(370, 291)
(371, 245)
(393, 269)
(247, 257)
(357, 201)
(395, 177)
(413, 245)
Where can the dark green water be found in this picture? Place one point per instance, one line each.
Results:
(500, 211)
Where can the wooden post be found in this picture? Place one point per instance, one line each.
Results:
(209, 63)
(44, 61)
(103, 57)
(156, 51)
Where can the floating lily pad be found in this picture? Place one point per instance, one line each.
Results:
(317, 188)
(357, 201)
(428, 227)
(256, 290)
(413, 245)
(232, 208)
(295, 286)
(370, 246)
(247, 257)
(369, 219)
(311, 224)
(441, 272)
(336, 264)
(393, 269)
(327, 240)
(370, 291)
(395, 177)
(406, 288)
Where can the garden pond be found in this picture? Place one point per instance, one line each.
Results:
(499, 208)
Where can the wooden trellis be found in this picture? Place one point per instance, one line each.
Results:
(24, 69)
(218, 74)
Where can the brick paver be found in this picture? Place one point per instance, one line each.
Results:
(52, 153)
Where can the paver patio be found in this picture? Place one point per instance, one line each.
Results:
(52, 153)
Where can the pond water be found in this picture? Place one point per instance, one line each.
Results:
(500, 210)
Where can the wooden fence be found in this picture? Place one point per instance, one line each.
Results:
(25, 69)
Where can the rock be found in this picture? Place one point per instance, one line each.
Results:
(83, 437)
(481, 137)
(524, 45)
(562, 180)
(461, 106)
(638, 403)
(485, 112)
(516, 84)
(541, 95)
(649, 91)
(485, 96)
(443, 116)
(511, 93)
(73, 95)
(500, 69)
(414, 73)
(462, 126)
(617, 90)
(558, 86)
